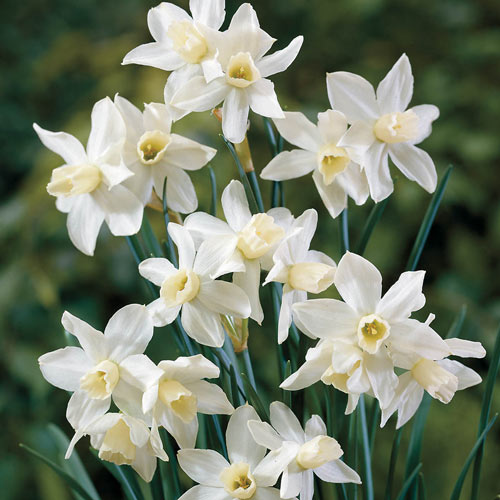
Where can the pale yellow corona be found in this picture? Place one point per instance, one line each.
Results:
(313, 277)
(241, 70)
(238, 481)
(438, 382)
(332, 161)
(337, 379)
(318, 451)
(71, 180)
(258, 236)
(117, 446)
(152, 146)
(179, 399)
(372, 331)
(181, 287)
(188, 42)
(397, 127)
(100, 381)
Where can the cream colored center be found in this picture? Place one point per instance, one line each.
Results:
(332, 161)
(71, 180)
(313, 277)
(188, 42)
(339, 380)
(117, 446)
(372, 331)
(101, 380)
(258, 236)
(318, 451)
(238, 481)
(179, 399)
(397, 127)
(438, 382)
(180, 288)
(241, 70)
(152, 146)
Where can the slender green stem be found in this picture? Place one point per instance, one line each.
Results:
(256, 190)
(368, 482)
(392, 464)
(407, 485)
(371, 222)
(249, 368)
(135, 249)
(172, 257)
(344, 231)
(150, 239)
(213, 187)
(374, 424)
(220, 436)
(169, 443)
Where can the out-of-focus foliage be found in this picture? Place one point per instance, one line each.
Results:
(60, 56)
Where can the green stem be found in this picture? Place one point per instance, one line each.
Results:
(213, 188)
(172, 257)
(368, 482)
(344, 231)
(392, 464)
(371, 222)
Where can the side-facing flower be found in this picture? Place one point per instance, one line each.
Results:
(248, 238)
(244, 83)
(382, 126)
(154, 154)
(335, 175)
(314, 452)
(88, 187)
(249, 474)
(193, 288)
(300, 270)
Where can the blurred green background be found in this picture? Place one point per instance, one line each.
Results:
(60, 56)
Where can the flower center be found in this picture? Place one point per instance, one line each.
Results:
(179, 288)
(188, 42)
(318, 451)
(372, 331)
(238, 481)
(71, 180)
(179, 399)
(337, 379)
(152, 146)
(397, 127)
(438, 382)
(117, 446)
(332, 161)
(241, 70)
(313, 277)
(258, 236)
(101, 380)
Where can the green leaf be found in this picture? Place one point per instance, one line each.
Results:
(392, 464)
(344, 231)
(172, 256)
(427, 222)
(286, 396)
(138, 255)
(408, 482)
(254, 183)
(254, 398)
(371, 222)
(422, 492)
(455, 495)
(213, 188)
(70, 481)
(149, 237)
(368, 479)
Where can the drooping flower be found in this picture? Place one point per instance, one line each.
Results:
(300, 270)
(335, 175)
(154, 154)
(382, 126)
(243, 83)
(89, 186)
(314, 452)
(248, 239)
(194, 289)
(249, 474)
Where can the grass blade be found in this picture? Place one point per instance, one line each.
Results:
(150, 238)
(426, 225)
(254, 398)
(344, 231)
(371, 222)
(254, 183)
(392, 464)
(422, 492)
(368, 480)
(407, 485)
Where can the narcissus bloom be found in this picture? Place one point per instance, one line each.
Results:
(154, 154)
(335, 175)
(243, 83)
(300, 270)
(314, 452)
(193, 288)
(382, 126)
(89, 186)
(249, 474)
(248, 239)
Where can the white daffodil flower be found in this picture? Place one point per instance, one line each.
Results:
(249, 238)
(153, 153)
(249, 474)
(300, 270)
(244, 83)
(376, 328)
(382, 126)
(88, 187)
(314, 451)
(194, 289)
(335, 175)
(441, 379)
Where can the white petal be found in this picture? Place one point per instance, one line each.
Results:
(128, 332)
(157, 55)
(307, 489)
(359, 136)
(333, 196)
(352, 95)
(156, 270)
(206, 493)
(291, 481)
(466, 376)
(415, 164)
(162, 16)
(403, 298)
(64, 203)
(235, 205)
(162, 315)
(289, 165)
(156, 116)
(354, 183)
(286, 423)
(211, 13)
(332, 125)
(181, 195)
(211, 69)
(262, 99)
(202, 466)
(224, 298)
(249, 282)
(337, 471)
(465, 348)
(315, 427)
(128, 399)
(144, 464)
(140, 371)
(187, 154)
(235, 115)
(176, 80)
(202, 325)
(211, 398)
(203, 226)
(64, 367)
(65, 145)
(185, 245)
(281, 59)
(265, 435)
(132, 118)
(299, 131)
(213, 256)
(184, 434)
(198, 95)
(359, 283)
(394, 92)
(274, 463)
(380, 371)
(241, 446)
(426, 113)
(114, 174)
(91, 340)
(189, 369)
(285, 318)
(376, 167)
